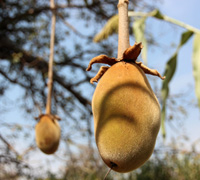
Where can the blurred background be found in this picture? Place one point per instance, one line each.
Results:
(25, 28)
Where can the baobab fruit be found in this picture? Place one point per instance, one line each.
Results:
(47, 133)
(126, 111)
(126, 117)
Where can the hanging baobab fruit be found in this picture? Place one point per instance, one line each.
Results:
(125, 109)
(47, 130)
(47, 133)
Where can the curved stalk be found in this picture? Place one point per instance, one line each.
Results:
(165, 18)
(50, 71)
(123, 34)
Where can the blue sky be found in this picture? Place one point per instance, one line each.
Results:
(187, 12)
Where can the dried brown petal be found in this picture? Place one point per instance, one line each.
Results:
(132, 52)
(100, 73)
(101, 59)
(147, 70)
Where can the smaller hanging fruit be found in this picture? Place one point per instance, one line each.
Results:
(47, 133)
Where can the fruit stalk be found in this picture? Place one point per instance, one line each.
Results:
(50, 71)
(123, 34)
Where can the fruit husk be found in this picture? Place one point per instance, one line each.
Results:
(126, 117)
(47, 133)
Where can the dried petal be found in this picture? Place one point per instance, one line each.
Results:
(101, 59)
(147, 70)
(132, 52)
(100, 73)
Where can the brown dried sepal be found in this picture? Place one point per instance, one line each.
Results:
(101, 59)
(132, 52)
(147, 70)
(100, 73)
(52, 116)
(129, 55)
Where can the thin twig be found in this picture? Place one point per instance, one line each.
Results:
(8, 145)
(107, 173)
(15, 81)
(71, 27)
(112, 166)
(50, 71)
(165, 18)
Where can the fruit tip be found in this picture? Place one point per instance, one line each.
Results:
(92, 81)
(36, 118)
(139, 44)
(88, 68)
(163, 78)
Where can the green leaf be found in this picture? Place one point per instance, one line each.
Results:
(157, 14)
(110, 28)
(184, 37)
(139, 33)
(169, 73)
(196, 65)
(163, 114)
(16, 57)
(86, 2)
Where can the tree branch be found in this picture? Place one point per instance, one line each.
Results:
(8, 145)
(14, 81)
(71, 27)
(39, 64)
(81, 99)
(165, 18)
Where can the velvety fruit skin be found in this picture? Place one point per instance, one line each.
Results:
(47, 133)
(126, 117)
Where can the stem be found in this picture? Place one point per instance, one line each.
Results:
(167, 19)
(112, 166)
(50, 71)
(107, 174)
(123, 34)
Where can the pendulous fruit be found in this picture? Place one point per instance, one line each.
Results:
(126, 111)
(47, 133)
(126, 117)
